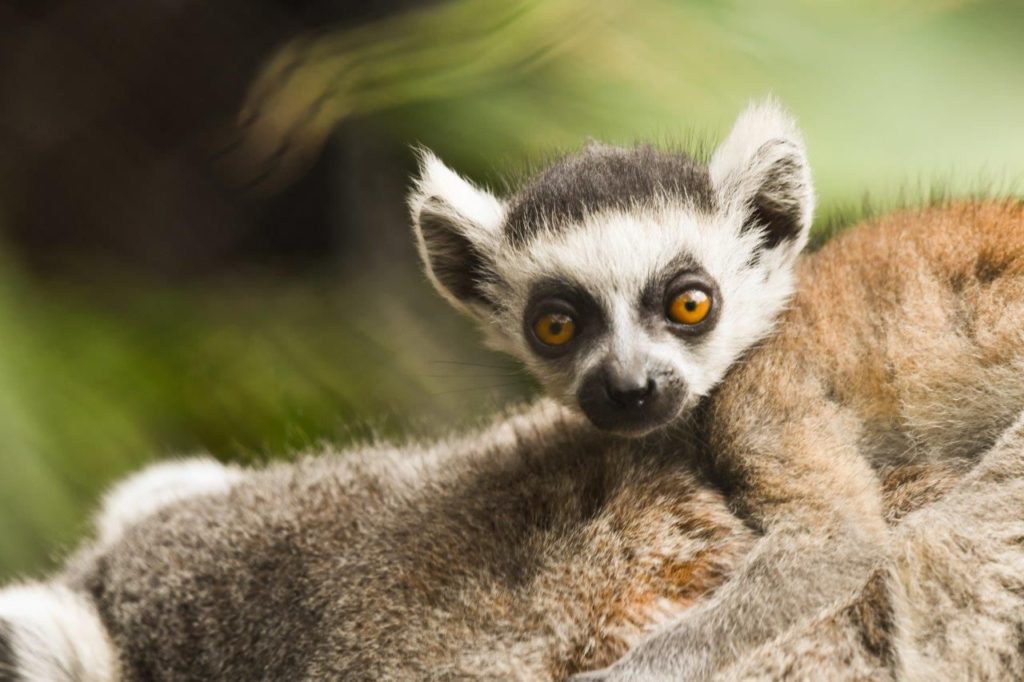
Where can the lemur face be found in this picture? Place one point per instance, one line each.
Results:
(627, 280)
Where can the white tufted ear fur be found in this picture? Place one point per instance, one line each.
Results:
(458, 230)
(761, 168)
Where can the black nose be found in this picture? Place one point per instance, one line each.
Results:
(628, 400)
(629, 392)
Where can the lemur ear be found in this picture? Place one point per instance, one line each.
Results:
(761, 168)
(458, 230)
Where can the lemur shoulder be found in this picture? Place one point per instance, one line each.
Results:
(651, 295)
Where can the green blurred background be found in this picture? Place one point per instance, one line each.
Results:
(205, 245)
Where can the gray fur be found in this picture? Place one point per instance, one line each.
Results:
(603, 178)
(949, 605)
(497, 556)
(8, 661)
(796, 442)
(468, 561)
(541, 546)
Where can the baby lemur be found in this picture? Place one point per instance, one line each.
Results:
(631, 281)
(642, 288)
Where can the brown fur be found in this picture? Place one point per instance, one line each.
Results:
(893, 360)
(948, 605)
(507, 562)
(539, 547)
(904, 347)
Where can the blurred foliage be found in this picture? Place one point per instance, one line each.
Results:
(248, 371)
(97, 379)
(890, 94)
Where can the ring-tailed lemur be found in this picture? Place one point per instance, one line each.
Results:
(630, 282)
(627, 280)
(545, 545)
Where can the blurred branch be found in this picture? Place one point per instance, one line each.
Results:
(667, 52)
(315, 82)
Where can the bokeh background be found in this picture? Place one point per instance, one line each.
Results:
(203, 239)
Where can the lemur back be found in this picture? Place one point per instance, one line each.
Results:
(904, 344)
(938, 341)
(529, 550)
(536, 548)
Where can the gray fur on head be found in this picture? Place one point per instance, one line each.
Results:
(605, 234)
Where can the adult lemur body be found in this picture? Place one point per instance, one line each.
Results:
(630, 282)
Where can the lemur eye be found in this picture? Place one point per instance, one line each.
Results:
(554, 329)
(690, 307)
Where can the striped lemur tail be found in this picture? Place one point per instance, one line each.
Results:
(49, 633)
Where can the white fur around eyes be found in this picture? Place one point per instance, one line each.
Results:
(613, 256)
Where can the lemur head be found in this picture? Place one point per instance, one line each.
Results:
(627, 280)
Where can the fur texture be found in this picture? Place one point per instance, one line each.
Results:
(50, 633)
(159, 486)
(798, 431)
(532, 549)
(947, 606)
(918, 357)
(344, 568)
(610, 225)
(605, 179)
(541, 546)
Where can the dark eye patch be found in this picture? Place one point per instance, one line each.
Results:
(566, 298)
(652, 298)
(681, 273)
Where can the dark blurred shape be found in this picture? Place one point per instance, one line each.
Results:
(113, 112)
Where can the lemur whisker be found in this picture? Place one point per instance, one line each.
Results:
(473, 376)
(469, 389)
(507, 366)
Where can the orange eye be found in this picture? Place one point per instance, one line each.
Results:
(554, 329)
(690, 307)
